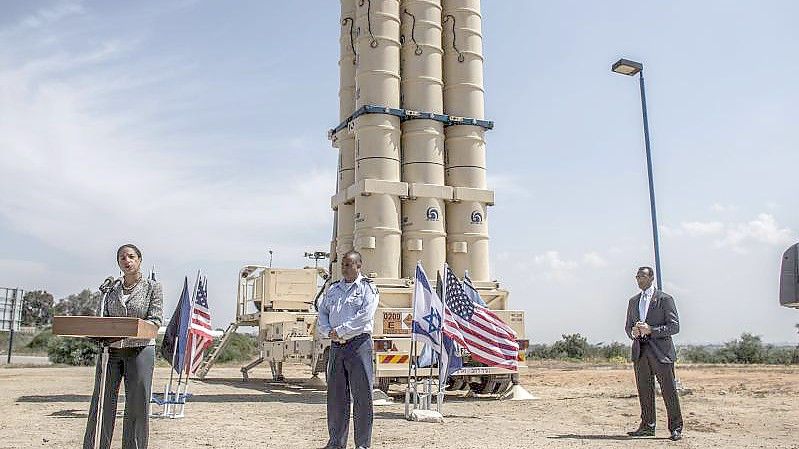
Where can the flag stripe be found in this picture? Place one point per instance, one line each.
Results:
(483, 333)
(486, 356)
(503, 349)
(491, 328)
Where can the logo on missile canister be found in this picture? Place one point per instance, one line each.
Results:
(433, 214)
(477, 217)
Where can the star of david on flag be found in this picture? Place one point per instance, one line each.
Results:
(428, 312)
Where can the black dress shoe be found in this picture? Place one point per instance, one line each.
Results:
(644, 430)
(676, 435)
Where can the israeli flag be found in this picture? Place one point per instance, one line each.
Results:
(428, 312)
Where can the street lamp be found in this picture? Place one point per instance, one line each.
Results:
(630, 68)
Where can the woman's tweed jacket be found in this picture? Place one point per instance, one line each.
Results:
(145, 302)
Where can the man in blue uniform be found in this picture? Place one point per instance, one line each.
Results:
(346, 316)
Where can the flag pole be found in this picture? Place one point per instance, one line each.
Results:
(439, 396)
(204, 283)
(188, 332)
(168, 386)
(412, 354)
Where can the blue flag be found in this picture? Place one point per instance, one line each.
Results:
(173, 348)
(470, 291)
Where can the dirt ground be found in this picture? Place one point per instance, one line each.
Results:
(580, 405)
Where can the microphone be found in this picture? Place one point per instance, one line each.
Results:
(107, 284)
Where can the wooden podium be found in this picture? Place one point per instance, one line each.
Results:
(114, 328)
(105, 330)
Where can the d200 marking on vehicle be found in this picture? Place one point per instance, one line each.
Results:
(397, 322)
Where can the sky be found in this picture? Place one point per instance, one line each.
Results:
(197, 130)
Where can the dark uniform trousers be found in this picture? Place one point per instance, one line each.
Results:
(647, 368)
(135, 366)
(349, 374)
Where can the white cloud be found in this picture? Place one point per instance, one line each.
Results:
(762, 230)
(698, 228)
(552, 266)
(47, 16)
(718, 207)
(593, 259)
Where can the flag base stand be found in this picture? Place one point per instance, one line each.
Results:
(518, 393)
(421, 396)
(379, 397)
(426, 416)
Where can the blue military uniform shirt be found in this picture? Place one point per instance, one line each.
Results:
(348, 311)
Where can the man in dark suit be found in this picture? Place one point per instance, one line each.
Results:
(651, 321)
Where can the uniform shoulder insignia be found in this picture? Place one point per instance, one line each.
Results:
(370, 283)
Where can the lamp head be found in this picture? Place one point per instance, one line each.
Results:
(627, 67)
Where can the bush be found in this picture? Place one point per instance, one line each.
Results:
(72, 351)
(41, 341)
(538, 351)
(698, 354)
(240, 348)
(748, 349)
(782, 356)
(614, 351)
(572, 346)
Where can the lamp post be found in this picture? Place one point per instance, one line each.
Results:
(631, 68)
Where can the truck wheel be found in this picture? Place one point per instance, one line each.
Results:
(455, 383)
(502, 386)
(383, 383)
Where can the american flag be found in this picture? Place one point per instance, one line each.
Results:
(476, 328)
(200, 337)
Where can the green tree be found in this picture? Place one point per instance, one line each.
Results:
(37, 308)
(748, 349)
(572, 346)
(83, 304)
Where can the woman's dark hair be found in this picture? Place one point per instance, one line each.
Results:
(131, 246)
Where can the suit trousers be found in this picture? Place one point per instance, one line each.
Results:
(135, 366)
(349, 375)
(647, 368)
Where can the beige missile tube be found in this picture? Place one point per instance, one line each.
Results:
(463, 58)
(377, 188)
(347, 60)
(377, 31)
(467, 221)
(423, 223)
(421, 56)
(377, 210)
(345, 208)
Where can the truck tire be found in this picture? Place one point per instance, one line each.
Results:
(455, 383)
(383, 383)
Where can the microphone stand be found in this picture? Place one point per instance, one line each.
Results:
(104, 344)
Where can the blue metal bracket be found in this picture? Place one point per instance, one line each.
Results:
(407, 114)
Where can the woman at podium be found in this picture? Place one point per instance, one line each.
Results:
(130, 359)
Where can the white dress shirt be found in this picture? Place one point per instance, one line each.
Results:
(643, 302)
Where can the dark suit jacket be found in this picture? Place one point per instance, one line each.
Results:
(662, 318)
